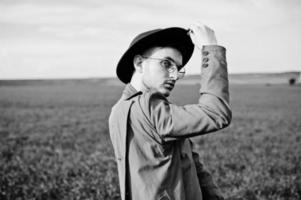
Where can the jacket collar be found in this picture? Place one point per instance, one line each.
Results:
(130, 92)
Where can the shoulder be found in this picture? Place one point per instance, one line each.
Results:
(114, 110)
(119, 109)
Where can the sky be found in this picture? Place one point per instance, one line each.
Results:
(85, 39)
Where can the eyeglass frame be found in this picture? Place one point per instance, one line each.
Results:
(174, 67)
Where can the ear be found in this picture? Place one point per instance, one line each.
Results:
(138, 63)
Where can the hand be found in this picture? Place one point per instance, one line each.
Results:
(201, 35)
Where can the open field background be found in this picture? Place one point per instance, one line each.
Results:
(54, 141)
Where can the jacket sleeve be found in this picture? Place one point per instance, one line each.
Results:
(210, 114)
(209, 188)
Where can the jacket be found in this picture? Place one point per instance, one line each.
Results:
(151, 136)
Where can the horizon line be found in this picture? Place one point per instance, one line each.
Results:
(115, 77)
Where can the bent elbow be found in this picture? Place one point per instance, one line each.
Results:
(226, 119)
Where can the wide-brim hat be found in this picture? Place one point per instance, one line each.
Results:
(172, 37)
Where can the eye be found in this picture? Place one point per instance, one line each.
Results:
(166, 63)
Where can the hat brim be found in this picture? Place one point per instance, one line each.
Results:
(175, 37)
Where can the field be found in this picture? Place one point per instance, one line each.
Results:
(54, 142)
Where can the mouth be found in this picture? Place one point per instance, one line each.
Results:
(169, 85)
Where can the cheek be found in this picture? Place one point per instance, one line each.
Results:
(155, 75)
(158, 73)
(158, 77)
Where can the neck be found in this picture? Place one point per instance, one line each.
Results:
(137, 82)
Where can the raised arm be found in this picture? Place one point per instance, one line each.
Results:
(212, 111)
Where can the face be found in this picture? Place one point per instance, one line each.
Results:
(155, 75)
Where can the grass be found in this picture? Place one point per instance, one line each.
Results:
(54, 142)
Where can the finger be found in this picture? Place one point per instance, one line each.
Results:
(194, 28)
(208, 29)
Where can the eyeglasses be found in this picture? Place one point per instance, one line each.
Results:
(170, 66)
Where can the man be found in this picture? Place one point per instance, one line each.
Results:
(150, 135)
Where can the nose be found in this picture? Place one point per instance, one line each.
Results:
(174, 75)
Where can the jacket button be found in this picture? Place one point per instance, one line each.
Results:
(205, 59)
(205, 65)
(205, 53)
